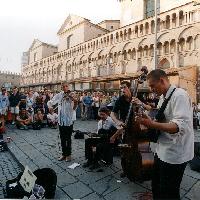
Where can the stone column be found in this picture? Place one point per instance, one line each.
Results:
(176, 55)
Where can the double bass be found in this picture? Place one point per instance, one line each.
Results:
(136, 156)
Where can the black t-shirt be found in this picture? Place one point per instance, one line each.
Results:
(121, 107)
(14, 99)
(22, 104)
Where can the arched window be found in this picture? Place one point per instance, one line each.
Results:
(129, 33)
(125, 55)
(125, 34)
(167, 23)
(151, 50)
(197, 42)
(108, 40)
(172, 46)
(166, 47)
(152, 26)
(140, 52)
(146, 51)
(173, 20)
(111, 38)
(159, 48)
(136, 31)
(130, 54)
(159, 24)
(189, 43)
(121, 35)
(134, 54)
(181, 18)
(141, 29)
(117, 37)
(182, 44)
(146, 28)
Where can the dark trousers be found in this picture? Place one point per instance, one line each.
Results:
(95, 112)
(167, 179)
(89, 143)
(66, 141)
(103, 150)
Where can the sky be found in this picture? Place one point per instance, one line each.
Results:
(22, 21)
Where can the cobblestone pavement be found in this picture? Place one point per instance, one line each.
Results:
(9, 169)
(39, 149)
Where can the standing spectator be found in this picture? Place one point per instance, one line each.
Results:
(103, 100)
(82, 107)
(29, 100)
(14, 103)
(95, 105)
(4, 103)
(30, 104)
(22, 103)
(35, 95)
(52, 118)
(113, 100)
(46, 98)
(87, 101)
(66, 106)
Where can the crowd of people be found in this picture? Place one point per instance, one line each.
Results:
(29, 109)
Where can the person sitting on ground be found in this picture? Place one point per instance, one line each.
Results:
(23, 120)
(38, 120)
(97, 148)
(52, 118)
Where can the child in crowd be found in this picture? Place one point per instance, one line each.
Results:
(52, 119)
(38, 120)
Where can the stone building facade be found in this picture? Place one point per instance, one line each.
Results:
(93, 57)
(9, 79)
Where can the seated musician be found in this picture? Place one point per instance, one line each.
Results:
(99, 147)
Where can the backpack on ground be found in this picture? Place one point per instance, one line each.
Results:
(46, 177)
(79, 134)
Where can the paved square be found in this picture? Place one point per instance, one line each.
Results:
(39, 149)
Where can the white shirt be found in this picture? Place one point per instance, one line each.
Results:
(179, 147)
(65, 109)
(107, 124)
(96, 101)
(52, 117)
